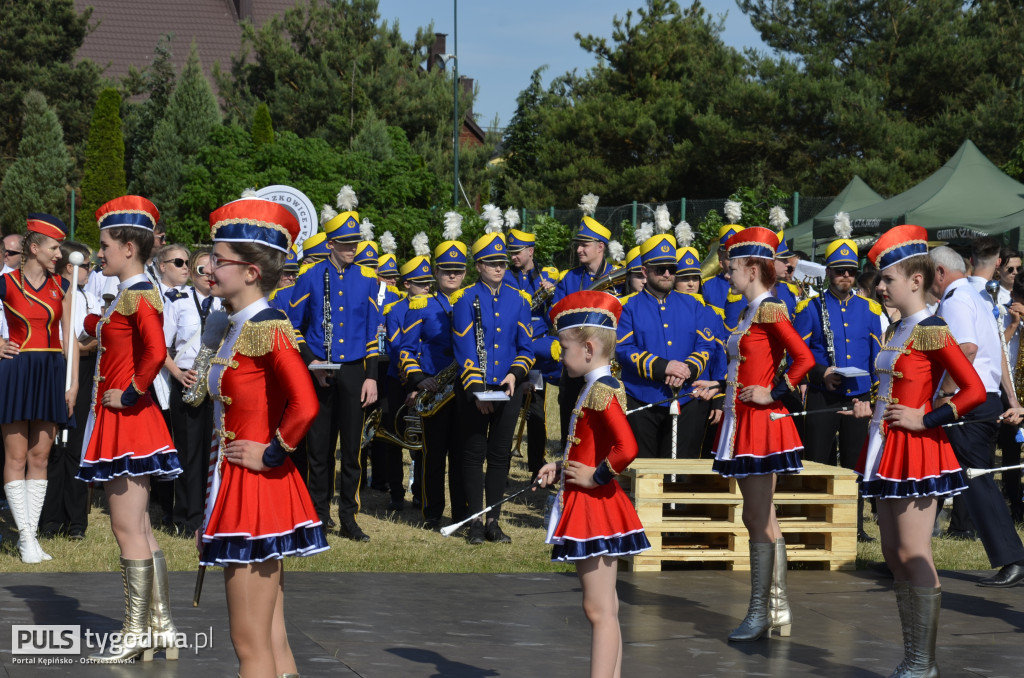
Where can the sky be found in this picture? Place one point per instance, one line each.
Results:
(501, 43)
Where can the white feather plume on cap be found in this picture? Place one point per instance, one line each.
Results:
(511, 217)
(733, 211)
(420, 244)
(452, 226)
(777, 218)
(387, 243)
(643, 232)
(662, 222)
(589, 204)
(616, 250)
(347, 200)
(326, 214)
(492, 215)
(366, 229)
(684, 234)
(249, 193)
(842, 225)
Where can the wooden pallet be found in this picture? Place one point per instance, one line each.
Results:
(693, 516)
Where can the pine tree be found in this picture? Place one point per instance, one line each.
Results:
(37, 181)
(262, 127)
(159, 81)
(104, 177)
(192, 114)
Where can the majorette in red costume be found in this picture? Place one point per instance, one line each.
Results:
(134, 440)
(262, 392)
(916, 351)
(599, 521)
(33, 380)
(749, 442)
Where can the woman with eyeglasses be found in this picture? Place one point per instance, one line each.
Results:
(33, 401)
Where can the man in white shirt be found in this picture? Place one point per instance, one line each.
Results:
(973, 325)
(1006, 273)
(12, 260)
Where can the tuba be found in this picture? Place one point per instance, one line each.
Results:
(411, 438)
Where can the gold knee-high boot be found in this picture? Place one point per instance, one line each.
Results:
(164, 631)
(778, 602)
(135, 633)
(758, 620)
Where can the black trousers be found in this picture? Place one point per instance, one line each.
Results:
(442, 448)
(652, 429)
(192, 430)
(66, 506)
(340, 419)
(830, 437)
(568, 392)
(536, 434)
(386, 457)
(486, 437)
(162, 493)
(1011, 457)
(974, 446)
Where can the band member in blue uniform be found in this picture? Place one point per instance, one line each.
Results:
(281, 297)
(428, 362)
(635, 279)
(662, 346)
(716, 288)
(334, 307)
(493, 348)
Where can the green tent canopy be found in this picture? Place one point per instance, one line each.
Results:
(818, 228)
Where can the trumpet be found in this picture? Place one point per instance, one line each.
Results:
(541, 296)
(609, 280)
(411, 438)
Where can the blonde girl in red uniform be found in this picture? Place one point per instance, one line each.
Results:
(33, 401)
(593, 522)
(127, 440)
(258, 509)
(751, 446)
(907, 462)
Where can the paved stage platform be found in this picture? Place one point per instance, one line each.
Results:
(531, 625)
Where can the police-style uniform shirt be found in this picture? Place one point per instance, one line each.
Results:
(355, 316)
(426, 343)
(184, 318)
(652, 332)
(970, 320)
(394, 320)
(505, 317)
(856, 336)
(577, 280)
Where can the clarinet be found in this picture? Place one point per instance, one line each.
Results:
(481, 343)
(327, 326)
(826, 328)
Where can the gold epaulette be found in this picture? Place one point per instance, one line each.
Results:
(771, 312)
(259, 338)
(801, 305)
(128, 302)
(600, 395)
(624, 300)
(697, 296)
(732, 298)
(930, 337)
(526, 296)
(417, 302)
(875, 307)
(368, 272)
(456, 295)
(387, 309)
(392, 288)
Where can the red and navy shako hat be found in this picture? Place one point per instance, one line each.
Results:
(47, 225)
(256, 221)
(128, 210)
(757, 242)
(586, 309)
(898, 244)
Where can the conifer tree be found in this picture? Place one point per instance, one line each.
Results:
(104, 177)
(262, 127)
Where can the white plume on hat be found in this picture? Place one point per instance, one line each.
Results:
(511, 217)
(662, 222)
(842, 225)
(733, 211)
(684, 234)
(347, 200)
(492, 215)
(420, 244)
(643, 233)
(616, 250)
(366, 230)
(777, 218)
(387, 243)
(249, 193)
(452, 226)
(326, 214)
(589, 204)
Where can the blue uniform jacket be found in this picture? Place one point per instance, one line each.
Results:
(505, 315)
(577, 280)
(394, 320)
(543, 342)
(426, 344)
(856, 334)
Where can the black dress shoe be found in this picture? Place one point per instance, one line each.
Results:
(1007, 576)
(864, 538)
(329, 523)
(476, 533)
(432, 524)
(495, 534)
(396, 505)
(76, 534)
(350, 530)
(965, 535)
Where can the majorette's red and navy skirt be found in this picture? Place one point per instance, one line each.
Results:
(591, 522)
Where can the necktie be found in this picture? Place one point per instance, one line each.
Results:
(204, 310)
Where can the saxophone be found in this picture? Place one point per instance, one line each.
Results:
(213, 335)
(429, 402)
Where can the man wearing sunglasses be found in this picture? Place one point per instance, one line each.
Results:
(1006, 273)
(12, 252)
(664, 342)
(856, 332)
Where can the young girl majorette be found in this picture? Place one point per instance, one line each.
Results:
(751, 446)
(33, 401)
(593, 522)
(258, 509)
(127, 440)
(907, 462)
